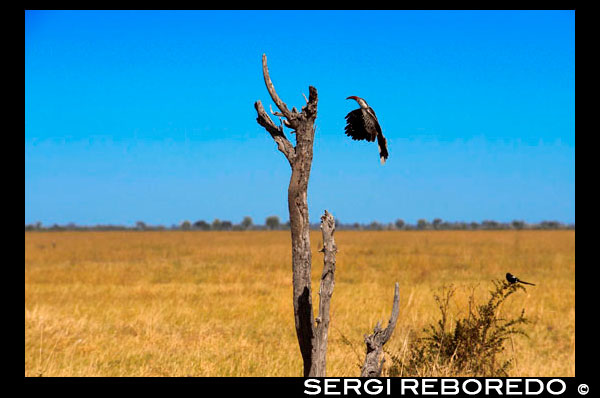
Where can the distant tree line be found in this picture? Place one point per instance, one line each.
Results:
(273, 223)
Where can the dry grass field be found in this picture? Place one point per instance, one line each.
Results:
(178, 303)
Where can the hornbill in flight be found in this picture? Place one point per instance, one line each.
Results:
(363, 125)
(513, 279)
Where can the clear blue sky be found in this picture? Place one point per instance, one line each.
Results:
(148, 115)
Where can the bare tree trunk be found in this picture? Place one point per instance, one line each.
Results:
(301, 254)
(325, 292)
(300, 159)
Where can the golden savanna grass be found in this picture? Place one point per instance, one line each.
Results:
(176, 303)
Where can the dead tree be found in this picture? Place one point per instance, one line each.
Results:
(373, 366)
(311, 332)
(300, 159)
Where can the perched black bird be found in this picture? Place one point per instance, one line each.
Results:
(513, 279)
(363, 125)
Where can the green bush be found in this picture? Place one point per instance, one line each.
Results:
(470, 347)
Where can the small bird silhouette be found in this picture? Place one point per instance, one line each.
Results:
(513, 279)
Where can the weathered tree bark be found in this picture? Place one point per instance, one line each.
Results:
(325, 292)
(300, 159)
(372, 366)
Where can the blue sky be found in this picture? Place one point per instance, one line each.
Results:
(148, 115)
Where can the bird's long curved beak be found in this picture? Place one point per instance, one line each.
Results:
(352, 97)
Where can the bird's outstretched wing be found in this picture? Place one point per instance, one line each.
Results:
(356, 128)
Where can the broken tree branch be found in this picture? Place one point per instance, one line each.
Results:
(279, 114)
(283, 144)
(372, 366)
(280, 104)
(305, 99)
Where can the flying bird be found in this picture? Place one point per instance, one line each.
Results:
(363, 125)
(513, 279)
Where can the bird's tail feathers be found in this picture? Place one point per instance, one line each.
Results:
(382, 146)
(381, 156)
